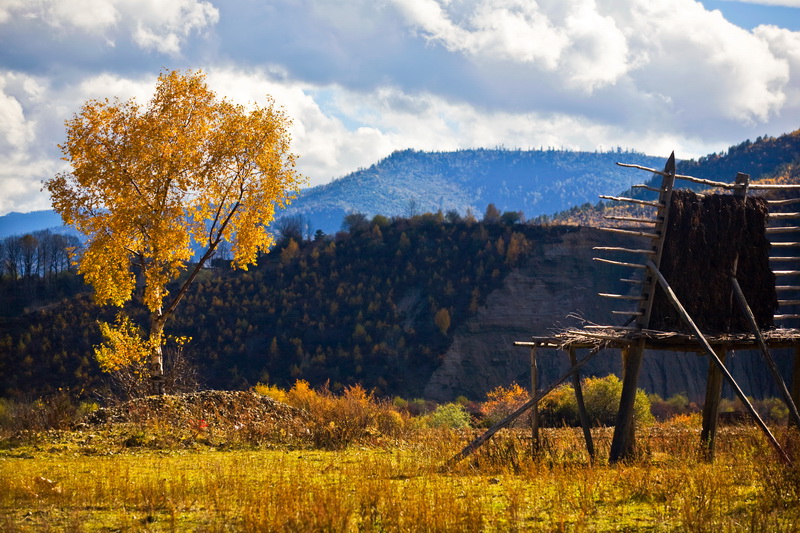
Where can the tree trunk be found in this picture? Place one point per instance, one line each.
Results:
(156, 355)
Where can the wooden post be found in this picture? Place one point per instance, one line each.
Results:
(576, 383)
(623, 443)
(711, 406)
(795, 380)
(535, 443)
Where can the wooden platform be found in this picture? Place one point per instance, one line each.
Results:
(612, 337)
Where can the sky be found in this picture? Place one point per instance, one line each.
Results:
(363, 78)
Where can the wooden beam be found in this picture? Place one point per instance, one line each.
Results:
(776, 375)
(782, 229)
(784, 244)
(707, 347)
(784, 215)
(619, 249)
(785, 201)
(788, 302)
(631, 200)
(619, 263)
(787, 287)
(535, 442)
(630, 232)
(584, 417)
(631, 219)
(620, 296)
(796, 380)
(645, 187)
(711, 406)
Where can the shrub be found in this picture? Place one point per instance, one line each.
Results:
(449, 415)
(335, 422)
(501, 402)
(271, 391)
(601, 397)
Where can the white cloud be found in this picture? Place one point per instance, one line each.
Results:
(652, 75)
(161, 25)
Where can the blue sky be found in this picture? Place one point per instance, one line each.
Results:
(362, 78)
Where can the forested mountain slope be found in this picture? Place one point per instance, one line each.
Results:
(409, 182)
(420, 307)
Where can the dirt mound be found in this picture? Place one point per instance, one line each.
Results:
(206, 408)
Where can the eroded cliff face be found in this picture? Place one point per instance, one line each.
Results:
(559, 282)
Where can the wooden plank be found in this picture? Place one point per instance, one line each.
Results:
(631, 232)
(787, 287)
(584, 417)
(619, 263)
(711, 406)
(783, 259)
(784, 215)
(788, 302)
(784, 244)
(786, 272)
(620, 249)
(629, 313)
(631, 200)
(785, 317)
(707, 347)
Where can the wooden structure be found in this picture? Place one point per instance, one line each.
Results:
(636, 335)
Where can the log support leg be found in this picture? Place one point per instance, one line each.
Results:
(535, 442)
(623, 443)
(794, 387)
(711, 406)
(576, 383)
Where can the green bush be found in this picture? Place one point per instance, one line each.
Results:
(601, 397)
(449, 415)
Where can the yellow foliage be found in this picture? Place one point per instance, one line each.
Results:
(502, 401)
(147, 180)
(271, 391)
(123, 345)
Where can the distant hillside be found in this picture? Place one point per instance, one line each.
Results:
(410, 182)
(21, 223)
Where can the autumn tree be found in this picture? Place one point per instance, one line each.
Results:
(148, 182)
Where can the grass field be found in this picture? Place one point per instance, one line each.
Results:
(103, 479)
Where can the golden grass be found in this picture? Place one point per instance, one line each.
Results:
(81, 481)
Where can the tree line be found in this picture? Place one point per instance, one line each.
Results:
(377, 306)
(42, 254)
